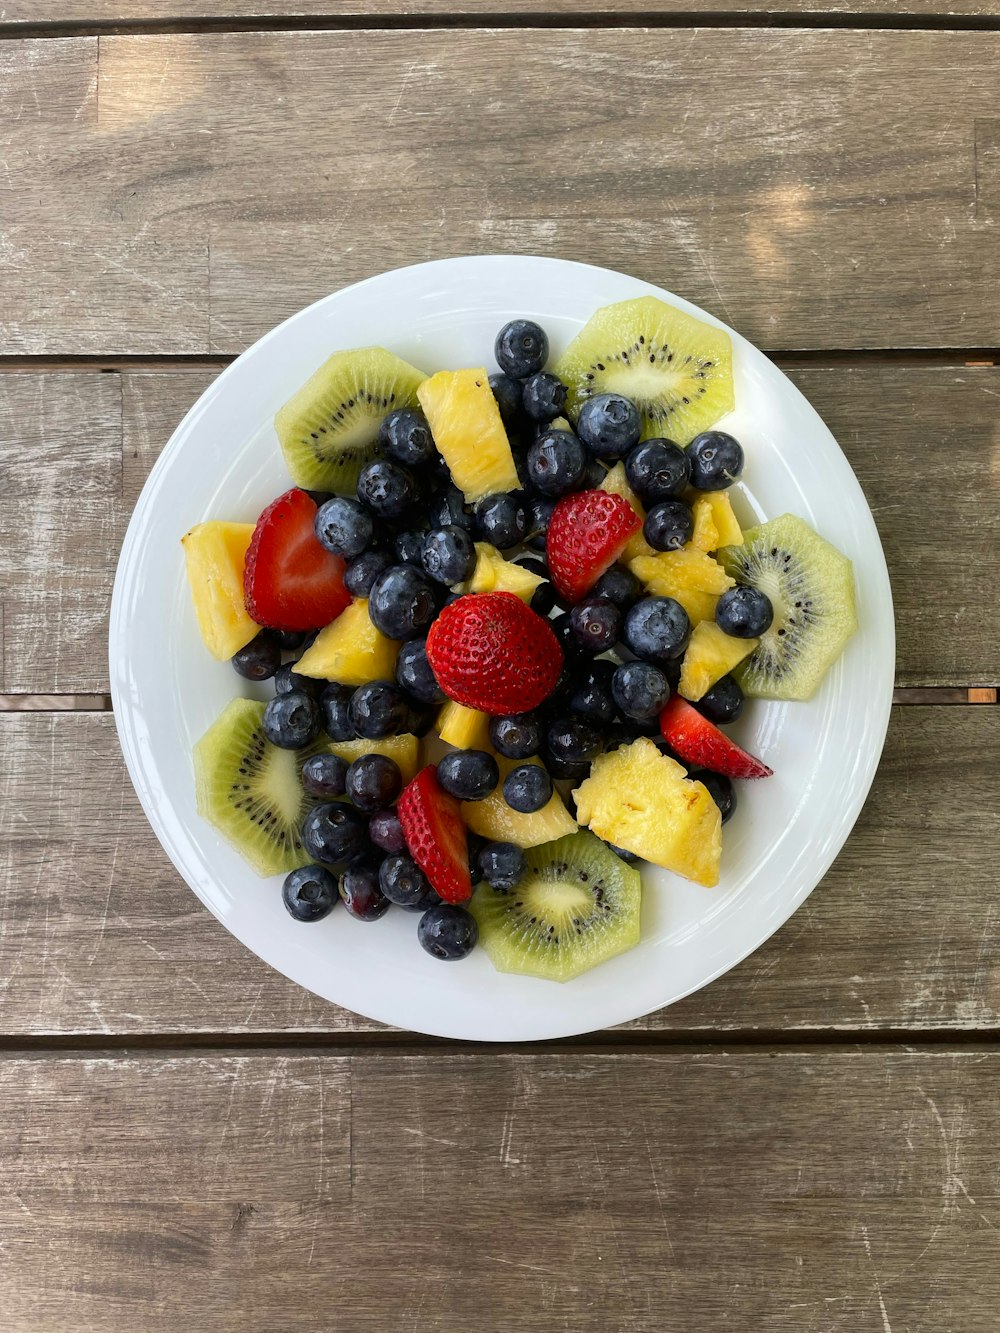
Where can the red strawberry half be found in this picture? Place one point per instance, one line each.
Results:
(289, 580)
(587, 533)
(490, 651)
(698, 741)
(435, 836)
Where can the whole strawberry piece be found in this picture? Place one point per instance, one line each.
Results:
(490, 651)
(290, 581)
(699, 741)
(435, 836)
(587, 533)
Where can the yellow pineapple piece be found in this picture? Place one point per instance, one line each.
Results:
(405, 750)
(640, 799)
(495, 574)
(690, 576)
(726, 525)
(214, 553)
(469, 434)
(709, 655)
(465, 728)
(706, 535)
(617, 483)
(494, 819)
(350, 650)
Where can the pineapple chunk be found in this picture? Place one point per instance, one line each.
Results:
(494, 819)
(495, 574)
(690, 576)
(465, 728)
(706, 535)
(469, 434)
(617, 483)
(350, 650)
(709, 655)
(726, 525)
(405, 750)
(214, 553)
(640, 799)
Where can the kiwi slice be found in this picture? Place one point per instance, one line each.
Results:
(251, 790)
(678, 370)
(576, 905)
(328, 429)
(811, 587)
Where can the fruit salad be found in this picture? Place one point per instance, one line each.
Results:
(508, 617)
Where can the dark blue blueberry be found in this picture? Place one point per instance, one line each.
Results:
(590, 695)
(378, 709)
(468, 775)
(657, 628)
(449, 555)
(521, 348)
(507, 392)
(319, 497)
(291, 720)
(669, 525)
(405, 436)
(723, 702)
(373, 782)
(402, 602)
(335, 710)
(325, 775)
(527, 788)
(360, 891)
(309, 893)
(344, 526)
(657, 470)
(474, 845)
(716, 460)
(386, 832)
(501, 520)
(609, 425)
(619, 585)
(573, 743)
(562, 627)
(556, 463)
(260, 658)
(414, 674)
(593, 475)
(419, 717)
(286, 679)
(290, 640)
(447, 508)
(387, 489)
(448, 932)
(543, 396)
(501, 864)
(744, 612)
(596, 622)
(545, 596)
(640, 690)
(333, 832)
(405, 884)
(539, 512)
(408, 546)
(720, 789)
(362, 572)
(628, 857)
(516, 737)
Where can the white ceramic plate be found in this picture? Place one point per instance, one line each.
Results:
(223, 461)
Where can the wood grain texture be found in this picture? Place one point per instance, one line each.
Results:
(815, 188)
(99, 934)
(506, 1193)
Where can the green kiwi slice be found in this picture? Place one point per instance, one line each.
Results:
(577, 904)
(251, 790)
(678, 370)
(811, 587)
(328, 429)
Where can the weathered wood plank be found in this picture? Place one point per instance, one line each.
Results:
(582, 1192)
(99, 935)
(824, 185)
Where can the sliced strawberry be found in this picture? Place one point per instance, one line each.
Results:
(587, 533)
(490, 651)
(289, 580)
(435, 835)
(698, 741)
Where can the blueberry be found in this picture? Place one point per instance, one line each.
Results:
(386, 832)
(669, 525)
(373, 781)
(420, 717)
(545, 596)
(744, 612)
(448, 508)
(628, 857)
(468, 775)
(596, 622)
(516, 737)
(591, 695)
(260, 658)
(573, 740)
(414, 674)
(543, 396)
(720, 789)
(291, 720)
(593, 475)
(723, 702)
(474, 845)
(408, 547)
(539, 512)
(286, 679)
(716, 460)
(344, 526)
(335, 710)
(527, 788)
(325, 775)
(362, 572)
(448, 932)
(405, 436)
(360, 891)
(405, 884)
(657, 628)
(562, 627)
(309, 893)
(449, 554)
(507, 392)
(657, 470)
(333, 832)
(501, 520)
(501, 864)
(378, 709)
(619, 585)
(609, 425)
(387, 489)
(556, 463)
(402, 602)
(640, 690)
(521, 348)
(290, 640)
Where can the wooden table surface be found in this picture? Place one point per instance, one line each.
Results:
(188, 1142)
